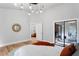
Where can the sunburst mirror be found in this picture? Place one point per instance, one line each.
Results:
(16, 27)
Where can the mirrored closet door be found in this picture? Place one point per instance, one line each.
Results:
(71, 31)
(65, 32)
(59, 33)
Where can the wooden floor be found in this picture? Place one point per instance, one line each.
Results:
(6, 49)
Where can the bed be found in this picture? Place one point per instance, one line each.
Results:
(35, 50)
(44, 48)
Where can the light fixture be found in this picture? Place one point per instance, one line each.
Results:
(30, 7)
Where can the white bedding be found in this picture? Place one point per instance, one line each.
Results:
(34, 50)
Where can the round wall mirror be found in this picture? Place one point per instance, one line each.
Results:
(16, 27)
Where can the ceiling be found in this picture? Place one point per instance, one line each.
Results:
(11, 5)
(45, 6)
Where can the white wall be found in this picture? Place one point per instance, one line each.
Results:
(8, 17)
(58, 13)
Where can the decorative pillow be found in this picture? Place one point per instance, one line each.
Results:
(72, 48)
(43, 43)
(68, 50)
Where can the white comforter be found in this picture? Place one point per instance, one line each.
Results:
(34, 50)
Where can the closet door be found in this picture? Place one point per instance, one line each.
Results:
(71, 31)
(59, 33)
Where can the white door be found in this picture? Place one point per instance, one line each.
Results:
(39, 31)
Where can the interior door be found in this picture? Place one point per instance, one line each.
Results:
(36, 31)
(39, 31)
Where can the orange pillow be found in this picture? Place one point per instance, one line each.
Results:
(43, 43)
(73, 48)
(68, 50)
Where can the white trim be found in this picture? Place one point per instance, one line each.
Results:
(65, 20)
